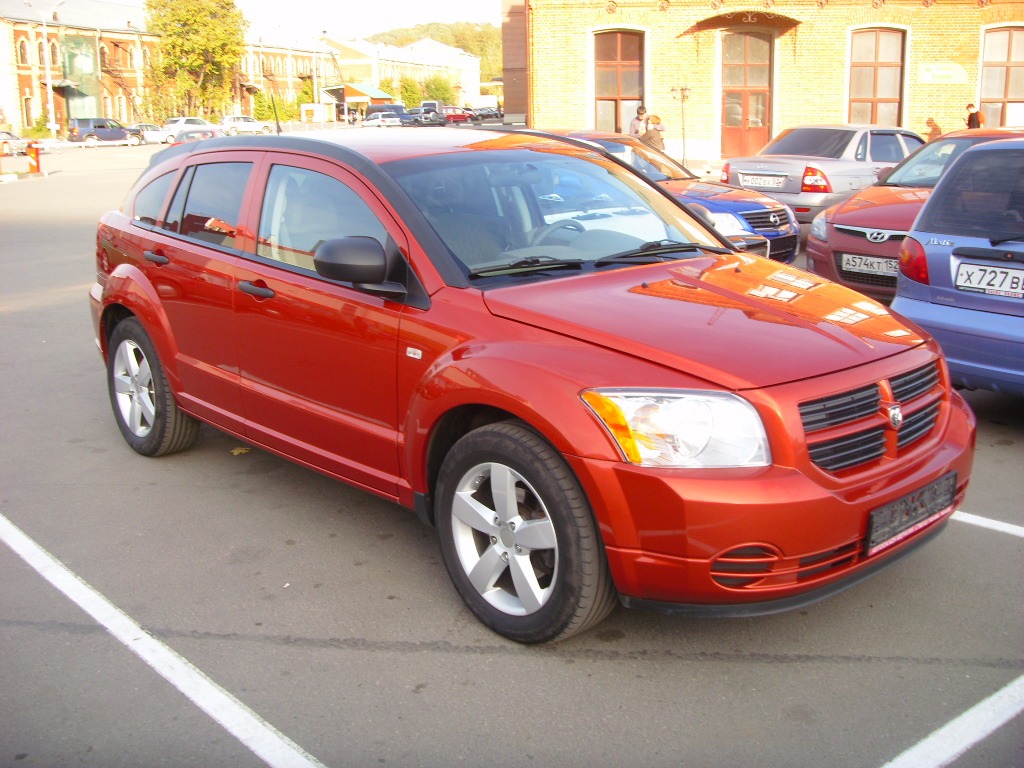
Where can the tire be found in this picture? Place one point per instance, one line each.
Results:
(133, 140)
(232, 131)
(531, 568)
(91, 141)
(144, 407)
(266, 130)
(169, 139)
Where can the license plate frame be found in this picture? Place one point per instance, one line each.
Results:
(766, 182)
(896, 521)
(869, 265)
(990, 280)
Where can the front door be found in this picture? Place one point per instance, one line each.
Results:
(746, 92)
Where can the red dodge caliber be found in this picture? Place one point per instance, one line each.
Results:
(591, 396)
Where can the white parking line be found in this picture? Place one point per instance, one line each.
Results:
(953, 739)
(265, 741)
(995, 525)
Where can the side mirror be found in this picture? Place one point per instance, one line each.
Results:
(357, 260)
(883, 173)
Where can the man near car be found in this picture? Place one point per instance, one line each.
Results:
(974, 117)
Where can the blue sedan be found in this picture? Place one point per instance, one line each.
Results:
(962, 267)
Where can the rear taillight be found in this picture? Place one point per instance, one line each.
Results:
(814, 180)
(914, 261)
(724, 178)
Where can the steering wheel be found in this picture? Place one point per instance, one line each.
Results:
(541, 234)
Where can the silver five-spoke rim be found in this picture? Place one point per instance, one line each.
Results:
(504, 539)
(133, 388)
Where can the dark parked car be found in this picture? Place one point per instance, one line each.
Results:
(734, 212)
(93, 131)
(815, 166)
(589, 393)
(421, 116)
(857, 242)
(962, 267)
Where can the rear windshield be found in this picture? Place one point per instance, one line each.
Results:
(811, 142)
(981, 195)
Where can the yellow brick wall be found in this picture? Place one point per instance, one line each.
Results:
(811, 58)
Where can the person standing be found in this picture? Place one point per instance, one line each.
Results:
(652, 136)
(638, 125)
(974, 118)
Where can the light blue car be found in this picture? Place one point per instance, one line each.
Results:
(962, 267)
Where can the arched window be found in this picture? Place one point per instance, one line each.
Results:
(876, 76)
(54, 55)
(1002, 77)
(23, 52)
(41, 54)
(103, 61)
(618, 78)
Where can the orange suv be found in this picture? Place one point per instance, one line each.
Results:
(592, 396)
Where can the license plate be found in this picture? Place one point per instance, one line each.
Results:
(996, 281)
(871, 265)
(897, 520)
(772, 182)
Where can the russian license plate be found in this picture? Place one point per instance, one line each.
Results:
(871, 265)
(897, 520)
(997, 281)
(772, 182)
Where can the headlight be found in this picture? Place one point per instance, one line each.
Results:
(728, 224)
(675, 428)
(819, 228)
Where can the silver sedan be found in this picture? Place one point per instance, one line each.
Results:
(812, 167)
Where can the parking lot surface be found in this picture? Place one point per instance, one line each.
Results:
(224, 607)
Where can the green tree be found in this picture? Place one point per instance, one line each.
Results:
(438, 88)
(201, 46)
(410, 91)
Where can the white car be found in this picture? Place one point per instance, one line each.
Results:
(235, 124)
(382, 120)
(175, 124)
(151, 134)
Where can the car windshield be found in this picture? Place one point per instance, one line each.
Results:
(924, 167)
(811, 142)
(649, 162)
(982, 195)
(541, 209)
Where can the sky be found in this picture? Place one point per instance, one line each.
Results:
(303, 21)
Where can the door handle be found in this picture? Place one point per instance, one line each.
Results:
(156, 258)
(259, 291)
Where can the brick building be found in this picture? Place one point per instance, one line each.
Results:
(727, 75)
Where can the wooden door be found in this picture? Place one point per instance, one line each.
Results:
(746, 92)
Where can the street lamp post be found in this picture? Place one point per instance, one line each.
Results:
(52, 124)
(681, 94)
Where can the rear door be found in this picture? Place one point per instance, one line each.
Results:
(318, 358)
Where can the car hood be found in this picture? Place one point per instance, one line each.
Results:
(717, 197)
(882, 207)
(736, 321)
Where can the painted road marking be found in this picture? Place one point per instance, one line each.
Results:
(995, 525)
(265, 741)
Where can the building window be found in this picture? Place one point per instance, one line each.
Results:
(1002, 77)
(41, 53)
(23, 52)
(618, 78)
(876, 76)
(54, 55)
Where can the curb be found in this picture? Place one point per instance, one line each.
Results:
(9, 177)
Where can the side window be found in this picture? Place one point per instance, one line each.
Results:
(886, 148)
(208, 202)
(303, 208)
(150, 201)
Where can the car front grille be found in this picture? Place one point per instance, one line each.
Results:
(782, 248)
(762, 219)
(856, 428)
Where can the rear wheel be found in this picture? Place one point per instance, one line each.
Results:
(91, 141)
(133, 140)
(518, 537)
(144, 407)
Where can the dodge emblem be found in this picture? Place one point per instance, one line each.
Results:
(895, 415)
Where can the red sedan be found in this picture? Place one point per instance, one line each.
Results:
(857, 242)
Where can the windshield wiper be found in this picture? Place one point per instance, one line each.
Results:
(1007, 239)
(658, 250)
(529, 264)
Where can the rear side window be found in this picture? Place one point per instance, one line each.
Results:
(981, 195)
(303, 208)
(886, 148)
(149, 203)
(208, 203)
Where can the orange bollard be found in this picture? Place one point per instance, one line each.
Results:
(33, 157)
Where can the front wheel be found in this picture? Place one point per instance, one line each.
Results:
(518, 538)
(91, 141)
(144, 407)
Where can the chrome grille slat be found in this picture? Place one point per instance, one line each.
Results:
(915, 383)
(762, 219)
(849, 451)
(839, 409)
(918, 425)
